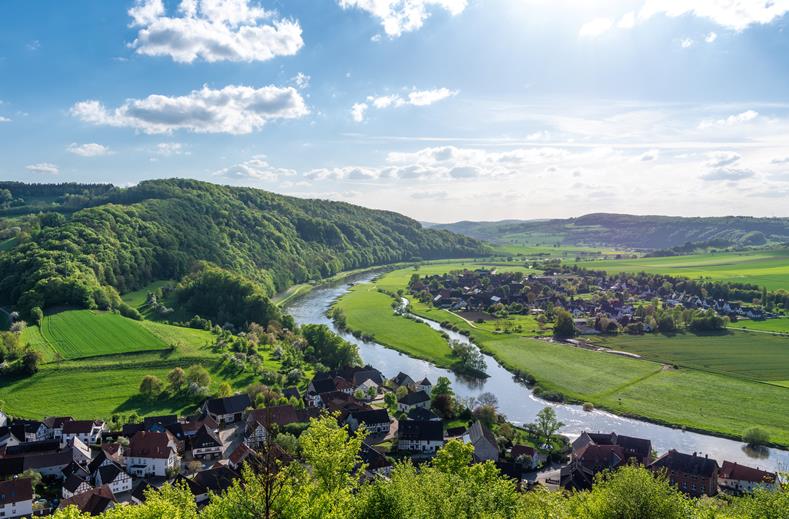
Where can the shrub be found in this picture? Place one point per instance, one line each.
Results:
(756, 436)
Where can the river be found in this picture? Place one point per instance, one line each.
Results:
(517, 402)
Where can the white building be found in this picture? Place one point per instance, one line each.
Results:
(88, 431)
(744, 479)
(16, 498)
(152, 454)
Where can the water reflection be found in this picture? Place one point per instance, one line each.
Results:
(518, 403)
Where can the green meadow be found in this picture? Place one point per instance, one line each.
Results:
(768, 268)
(706, 392)
(780, 325)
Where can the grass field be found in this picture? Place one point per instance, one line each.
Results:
(137, 298)
(74, 334)
(770, 325)
(768, 268)
(698, 399)
(763, 357)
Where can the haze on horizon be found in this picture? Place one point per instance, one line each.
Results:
(450, 110)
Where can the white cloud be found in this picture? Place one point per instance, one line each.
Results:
(711, 37)
(33, 45)
(649, 156)
(4, 119)
(686, 43)
(168, 149)
(400, 16)
(345, 173)
(719, 159)
(88, 150)
(732, 120)
(253, 170)
(214, 30)
(628, 21)
(595, 27)
(732, 14)
(414, 98)
(301, 80)
(232, 109)
(45, 168)
(728, 174)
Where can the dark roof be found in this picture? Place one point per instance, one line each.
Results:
(204, 438)
(11, 466)
(599, 457)
(163, 421)
(130, 429)
(401, 378)
(109, 472)
(739, 472)
(39, 447)
(281, 415)
(420, 413)
(138, 492)
(55, 422)
(289, 392)
(228, 405)
(150, 445)
(15, 490)
(364, 374)
(686, 463)
(240, 453)
(73, 482)
(522, 450)
(49, 460)
(414, 398)
(371, 416)
(372, 458)
(93, 502)
(638, 447)
(324, 385)
(80, 426)
(418, 430)
(425, 382)
(216, 479)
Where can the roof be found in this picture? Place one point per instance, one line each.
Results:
(138, 492)
(240, 453)
(93, 502)
(417, 430)
(146, 444)
(228, 405)
(522, 450)
(216, 479)
(689, 464)
(109, 472)
(289, 392)
(733, 470)
(414, 398)
(478, 432)
(49, 460)
(371, 416)
(26, 448)
(600, 457)
(56, 422)
(81, 426)
(425, 382)
(205, 437)
(372, 458)
(73, 482)
(420, 413)
(281, 415)
(639, 447)
(15, 490)
(401, 379)
(324, 385)
(163, 420)
(367, 373)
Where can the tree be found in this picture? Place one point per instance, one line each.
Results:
(547, 424)
(151, 386)
(194, 466)
(488, 398)
(197, 374)
(36, 315)
(224, 390)
(486, 414)
(453, 457)
(176, 378)
(443, 387)
(390, 399)
(756, 436)
(401, 392)
(30, 361)
(565, 326)
(34, 475)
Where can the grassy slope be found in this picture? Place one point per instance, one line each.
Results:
(770, 325)
(763, 268)
(137, 298)
(762, 357)
(100, 386)
(695, 399)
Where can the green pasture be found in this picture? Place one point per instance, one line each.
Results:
(137, 298)
(780, 325)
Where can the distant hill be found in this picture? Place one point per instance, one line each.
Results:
(621, 230)
(66, 244)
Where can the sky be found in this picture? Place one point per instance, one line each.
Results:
(443, 110)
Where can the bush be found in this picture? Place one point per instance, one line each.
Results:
(756, 436)
(588, 406)
(127, 311)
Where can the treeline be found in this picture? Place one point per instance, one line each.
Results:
(318, 475)
(159, 229)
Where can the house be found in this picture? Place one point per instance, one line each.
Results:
(113, 475)
(741, 478)
(113, 452)
(217, 479)
(138, 492)
(94, 502)
(227, 410)
(159, 423)
(376, 463)
(376, 421)
(3, 419)
(420, 413)
(412, 400)
(425, 386)
(77, 482)
(45, 457)
(7, 437)
(88, 431)
(80, 451)
(16, 498)
(239, 456)
(260, 421)
(55, 425)
(403, 380)
(368, 387)
(638, 449)
(484, 443)
(418, 436)
(693, 474)
(152, 454)
(520, 452)
(206, 444)
(29, 430)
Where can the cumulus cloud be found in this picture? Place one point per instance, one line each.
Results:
(232, 109)
(711, 37)
(45, 168)
(728, 174)
(345, 173)
(732, 14)
(430, 195)
(719, 159)
(732, 120)
(301, 80)
(168, 149)
(413, 98)
(686, 43)
(401, 16)
(628, 21)
(4, 119)
(214, 30)
(255, 169)
(595, 28)
(649, 156)
(88, 150)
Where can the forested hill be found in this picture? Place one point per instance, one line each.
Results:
(622, 230)
(125, 238)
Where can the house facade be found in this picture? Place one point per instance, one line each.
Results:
(419, 436)
(16, 498)
(743, 479)
(227, 410)
(693, 474)
(152, 454)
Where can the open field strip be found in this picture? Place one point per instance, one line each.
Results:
(780, 325)
(691, 398)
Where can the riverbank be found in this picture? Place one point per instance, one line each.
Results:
(683, 398)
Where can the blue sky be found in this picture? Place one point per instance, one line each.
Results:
(441, 109)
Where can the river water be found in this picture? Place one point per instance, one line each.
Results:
(517, 402)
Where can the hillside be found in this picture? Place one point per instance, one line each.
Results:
(630, 231)
(95, 242)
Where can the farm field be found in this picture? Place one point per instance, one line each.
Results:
(74, 334)
(770, 325)
(757, 356)
(695, 398)
(768, 268)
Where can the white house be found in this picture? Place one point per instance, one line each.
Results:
(114, 476)
(206, 443)
(16, 498)
(425, 386)
(3, 419)
(412, 400)
(742, 479)
(418, 436)
(75, 484)
(374, 420)
(88, 431)
(152, 454)
(55, 425)
(227, 410)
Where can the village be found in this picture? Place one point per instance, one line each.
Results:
(59, 461)
(598, 302)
